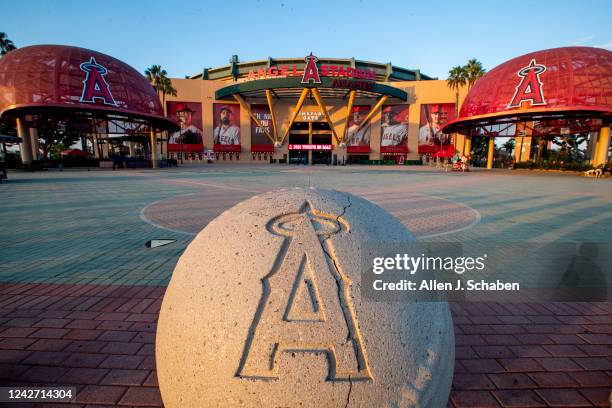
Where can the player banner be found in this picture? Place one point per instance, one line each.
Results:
(431, 139)
(259, 140)
(189, 117)
(358, 140)
(394, 129)
(226, 124)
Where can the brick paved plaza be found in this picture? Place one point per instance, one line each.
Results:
(80, 293)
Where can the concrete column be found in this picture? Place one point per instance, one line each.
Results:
(95, 147)
(603, 144)
(131, 149)
(105, 147)
(26, 146)
(459, 141)
(522, 148)
(467, 145)
(35, 144)
(590, 150)
(491, 152)
(153, 149)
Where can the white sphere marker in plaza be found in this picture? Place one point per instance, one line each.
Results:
(264, 309)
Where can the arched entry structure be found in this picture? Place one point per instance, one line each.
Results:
(92, 94)
(337, 83)
(554, 92)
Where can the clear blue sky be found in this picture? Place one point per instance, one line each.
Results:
(186, 36)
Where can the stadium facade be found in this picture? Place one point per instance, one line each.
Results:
(311, 110)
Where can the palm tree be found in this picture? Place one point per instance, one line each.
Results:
(158, 78)
(474, 71)
(155, 75)
(457, 77)
(6, 45)
(167, 89)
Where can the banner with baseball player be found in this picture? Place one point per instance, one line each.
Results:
(431, 139)
(226, 124)
(355, 136)
(394, 129)
(258, 134)
(189, 117)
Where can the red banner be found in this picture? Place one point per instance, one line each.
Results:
(431, 139)
(189, 117)
(394, 129)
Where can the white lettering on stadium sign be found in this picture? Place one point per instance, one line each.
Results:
(310, 147)
(310, 116)
(325, 70)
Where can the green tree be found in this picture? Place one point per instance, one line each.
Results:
(154, 75)
(6, 44)
(167, 89)
(52, 132)
(570, 145)
(158, 78)
(509, 146)
(457, 77)
(480, 150)
(473, 72)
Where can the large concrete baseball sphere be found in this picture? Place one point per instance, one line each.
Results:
(265, 309)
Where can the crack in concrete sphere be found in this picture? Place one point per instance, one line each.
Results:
(265, 309)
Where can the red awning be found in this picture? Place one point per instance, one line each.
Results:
(74, 152)
(394, 149)
(191, 147)
(262, 148)
(219, 148)
(358, 149)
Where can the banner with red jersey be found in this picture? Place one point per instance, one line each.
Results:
(431, 139)
(189, 117)
(394, 129)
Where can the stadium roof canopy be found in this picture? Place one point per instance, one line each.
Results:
(72, 81)
(567, 87)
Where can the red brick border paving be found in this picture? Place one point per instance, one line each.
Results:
(101, 339)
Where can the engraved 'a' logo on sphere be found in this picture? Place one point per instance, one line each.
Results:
(306, 305)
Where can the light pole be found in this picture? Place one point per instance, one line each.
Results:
(181, 144)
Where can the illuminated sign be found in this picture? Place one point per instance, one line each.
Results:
(310, 147)
(312, 73)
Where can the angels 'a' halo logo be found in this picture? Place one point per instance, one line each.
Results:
(530, 87)
(306, 305)
(311, 71)
(95, 86)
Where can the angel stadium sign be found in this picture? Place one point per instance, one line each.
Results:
(312, 73)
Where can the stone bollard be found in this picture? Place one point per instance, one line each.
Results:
(264, 309)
